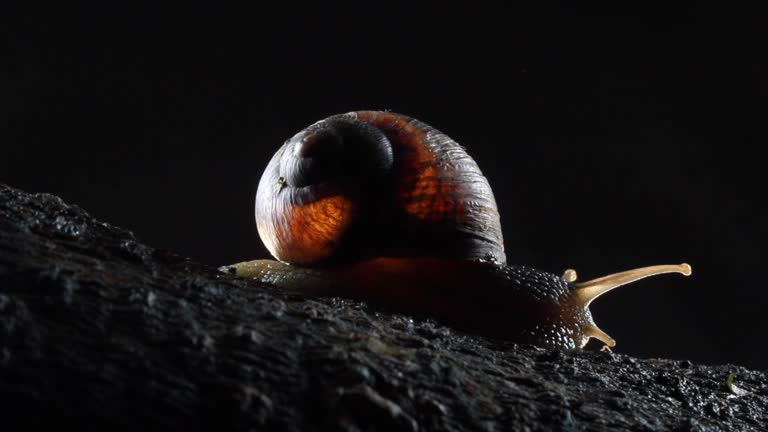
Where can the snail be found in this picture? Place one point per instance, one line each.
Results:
(380, 207)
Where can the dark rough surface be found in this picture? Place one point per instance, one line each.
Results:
(99, 330)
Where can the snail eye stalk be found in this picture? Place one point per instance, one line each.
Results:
(586, 292)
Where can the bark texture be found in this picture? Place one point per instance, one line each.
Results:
(101, 331)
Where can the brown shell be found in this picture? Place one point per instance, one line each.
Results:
(432, 201)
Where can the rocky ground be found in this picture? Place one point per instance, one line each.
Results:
(98, 330)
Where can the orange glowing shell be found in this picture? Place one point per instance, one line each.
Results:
(380, 184)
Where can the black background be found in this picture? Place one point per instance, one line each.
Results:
(612, 142)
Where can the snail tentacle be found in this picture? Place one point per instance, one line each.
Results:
(586, 292)
(593, 331)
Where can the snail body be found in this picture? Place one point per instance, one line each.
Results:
(381, 207)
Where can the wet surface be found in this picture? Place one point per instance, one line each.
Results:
(100, 330)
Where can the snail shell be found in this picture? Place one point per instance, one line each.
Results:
(383, 208)
(369, 183)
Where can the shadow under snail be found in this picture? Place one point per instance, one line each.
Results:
(380, 207)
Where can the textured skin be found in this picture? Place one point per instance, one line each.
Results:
(561, 321)
(371, 183)
(512, 303)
